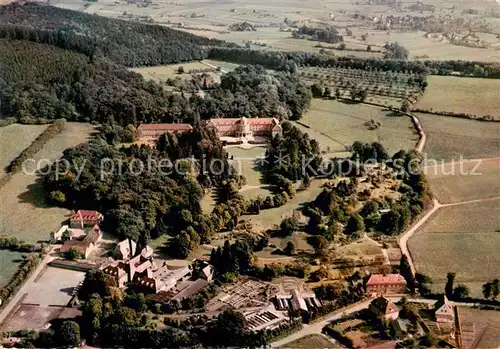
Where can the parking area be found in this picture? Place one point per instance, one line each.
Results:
(31, 317)
(54, 287)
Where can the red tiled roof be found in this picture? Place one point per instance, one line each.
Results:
(388, 279)
(86, 215)
(251, 121)
(165, 127)
(81, 246)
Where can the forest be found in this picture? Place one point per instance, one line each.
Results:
(125, 43)
(41, 82)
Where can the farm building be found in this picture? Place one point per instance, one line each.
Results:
(267, 318)
(384, 308)
(245, 129)
(84, 218)
(443, 310)
(386, 284)
(77, 239)
(151, 132)
(297, 300)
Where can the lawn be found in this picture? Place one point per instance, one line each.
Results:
(312, 341)
(471, 218)
(226, 66)
(450, 137)
(14, 139)
(473, 96)
(465, 181)
(344, 123)
(245, 162)
(163, 72)
(473, 256)
(27, 216)
(9, 261)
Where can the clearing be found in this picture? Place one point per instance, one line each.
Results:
(473, 96)
(450, 137)
(162, 73)
(14, 139)
(481, 217)
(473, 256)
(342, 124)
(312, 341)
(268, 219)
(486, 326)
(464, 181)
(26, 216)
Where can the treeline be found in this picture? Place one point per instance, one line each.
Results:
(37, 145)
(252, 92)
(126, 43)
(456, 115)
(292, 155)
(40, 82)
(328, 34)
(289, 61)
(12, 243)
(16, 165)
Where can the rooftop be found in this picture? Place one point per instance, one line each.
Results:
(387, 279)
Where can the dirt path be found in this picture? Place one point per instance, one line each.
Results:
(403, 240)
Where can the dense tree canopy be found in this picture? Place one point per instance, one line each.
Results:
(123, 42)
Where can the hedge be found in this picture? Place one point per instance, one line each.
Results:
(17, 164)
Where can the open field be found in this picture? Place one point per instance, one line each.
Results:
(449, 137)
(245, 162)
(14, 139)
(364, 247)
(163, 72)
(487, 326)
(225, 66)
(344, 123)
(427, 48)
(213, 20)
(473, 96)
(312, 341)
(26, 216)
(457, 182)
(9, 261)
(473, 256)
(471, 218)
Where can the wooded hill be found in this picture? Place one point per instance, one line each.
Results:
(39, 81)
(126, 43)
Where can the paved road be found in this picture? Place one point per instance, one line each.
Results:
(318, 326)
(28, 284)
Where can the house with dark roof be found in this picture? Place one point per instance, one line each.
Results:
(82, 219)
(379, 284)
(443, 310)
(384, 308)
